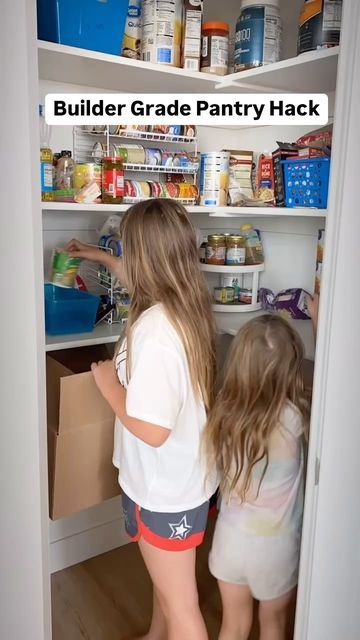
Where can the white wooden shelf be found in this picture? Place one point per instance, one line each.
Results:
(214, 212)
(312, 72)
(230, 269)
(102, 334)
(236, 308)
(73, 65)
(315, 71)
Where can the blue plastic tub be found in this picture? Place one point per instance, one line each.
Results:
(306, 182)
(69, 311)
(97, 25)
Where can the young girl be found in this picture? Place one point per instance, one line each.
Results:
(255, 436)
(160, 390)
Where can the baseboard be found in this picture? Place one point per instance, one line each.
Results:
(86, 544)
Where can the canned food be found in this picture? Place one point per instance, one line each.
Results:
(175, 130)
(188, 191)
(214, 178)
(245, 296)
(168, 159)
(216, 249)
(153, 157)
(130, 153)
(231, 281)
(172, 189)
(135, 189)
(64, 269)
(224, 295)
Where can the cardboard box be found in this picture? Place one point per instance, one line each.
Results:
(80, 434)
(191, 36)
(284, 151)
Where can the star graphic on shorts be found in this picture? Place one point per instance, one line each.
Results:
(180, 530)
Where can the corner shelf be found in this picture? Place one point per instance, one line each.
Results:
(232, 269)
(236, 308)
(72, 65)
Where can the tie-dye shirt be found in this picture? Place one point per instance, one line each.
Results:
(278, 508)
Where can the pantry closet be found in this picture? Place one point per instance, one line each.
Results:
(32, 229)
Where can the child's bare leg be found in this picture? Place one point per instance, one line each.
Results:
(237, 604)
(274, 617)
(173, 576)
(158, 629)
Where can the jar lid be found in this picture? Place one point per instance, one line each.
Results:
(217, 236)
(112, 159)
(254, 3)
(235, 236)
(221, 26)
(66, 154)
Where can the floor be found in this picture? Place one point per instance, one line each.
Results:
(109, 597)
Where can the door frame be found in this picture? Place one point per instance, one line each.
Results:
(322, 533)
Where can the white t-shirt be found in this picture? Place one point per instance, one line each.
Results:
(169, 478)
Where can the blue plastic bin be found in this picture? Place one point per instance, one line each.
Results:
(69, 310)
(306, 182)
(97, 25)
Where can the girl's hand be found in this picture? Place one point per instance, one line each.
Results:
(78, 249)
(106, 377)
(313, 306)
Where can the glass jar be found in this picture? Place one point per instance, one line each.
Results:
(216, 249)
(112, 180)
(235, 250)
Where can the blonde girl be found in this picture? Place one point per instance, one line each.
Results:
(255, 436)
(160, 390)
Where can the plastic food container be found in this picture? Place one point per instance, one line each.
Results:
(69, 311)
(306, 182)
(258, 34)
(89, 24)
(215, 48)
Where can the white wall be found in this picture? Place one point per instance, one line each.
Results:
(25, 588)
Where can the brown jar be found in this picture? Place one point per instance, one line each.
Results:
(112, 180)
(216, 249)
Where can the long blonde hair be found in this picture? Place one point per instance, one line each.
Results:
(161, 265)
(264, 372)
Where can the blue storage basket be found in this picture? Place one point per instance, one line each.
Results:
(306, 182)
(97, 25)
(69, 311)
